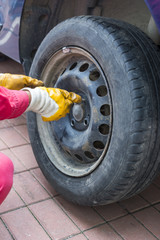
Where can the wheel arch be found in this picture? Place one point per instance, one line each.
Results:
(39, 17)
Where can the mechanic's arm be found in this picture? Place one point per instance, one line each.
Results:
(12, 103)
(50, 103)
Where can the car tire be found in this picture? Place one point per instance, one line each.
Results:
(112, 152)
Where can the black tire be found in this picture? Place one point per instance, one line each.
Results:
(131, 66)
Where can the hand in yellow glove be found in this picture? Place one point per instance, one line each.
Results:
(51, 103)
(17, 82)
(64, 101)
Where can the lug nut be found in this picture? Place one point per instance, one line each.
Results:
(78, 112)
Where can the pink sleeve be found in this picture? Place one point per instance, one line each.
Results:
(12, 103)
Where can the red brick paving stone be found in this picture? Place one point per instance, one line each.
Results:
(24, 115)
(151, 194)
(28, 188)
(25, 155)
(78, 237)
(53, 219)
(12, 201)
(40, 177)
(4, 234)
(2, 145)
(133, 204)
(111, 211)
(17, 121)
(84, 217)
(150, 218)
(158, 207)
(5, 124)
(22, 129)
(11, 137)
(103, 232)
(157, 181)
(24, 226)
(130, 229)
(18, 166)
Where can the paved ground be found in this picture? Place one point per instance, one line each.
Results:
(33, 210)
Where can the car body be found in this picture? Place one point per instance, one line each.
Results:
(10, 16)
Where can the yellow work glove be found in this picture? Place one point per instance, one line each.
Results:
(51, 103)
(17, 82)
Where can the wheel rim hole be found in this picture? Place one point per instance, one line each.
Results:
(98, 145)
(105, 110)
(63, 71)
(94, 75)
(73, 66)
(104, 129)
(68, 153)
(84, 67)
(79, 157)
(85, 122)
(72, 122)
(102, 91)
(89, 154)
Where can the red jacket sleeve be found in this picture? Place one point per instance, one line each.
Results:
(12, 103)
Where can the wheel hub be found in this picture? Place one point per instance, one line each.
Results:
(80, 116)
(79, 133)
(78, 142)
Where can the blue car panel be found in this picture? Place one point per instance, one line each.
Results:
(154, 8)
(10, 17)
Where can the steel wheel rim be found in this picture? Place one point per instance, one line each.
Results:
(87, 140)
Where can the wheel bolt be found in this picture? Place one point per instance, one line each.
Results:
(78, 112)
